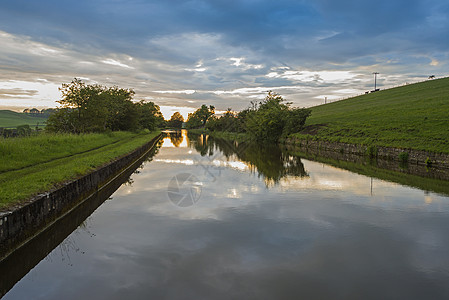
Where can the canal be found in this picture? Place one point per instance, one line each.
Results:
(212, 219)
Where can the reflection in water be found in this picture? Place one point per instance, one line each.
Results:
(315, 234)
(268, 161)
(176, 137)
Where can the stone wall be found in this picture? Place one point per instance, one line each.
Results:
(437, 160)
(24, 221)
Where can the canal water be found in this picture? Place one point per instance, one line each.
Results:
(211, 219)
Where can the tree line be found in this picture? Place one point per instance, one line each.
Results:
(264, 121)
(97, 108)
(46, 112)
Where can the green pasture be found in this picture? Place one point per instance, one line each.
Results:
(10, 118)
(415, 116)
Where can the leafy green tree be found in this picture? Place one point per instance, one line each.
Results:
(200, 116)
(267, 122)
(63, 120)
(96, 108)
(150, 116)
(296, 119)
(122, 114)
(227, 122)
(176, 120)
(272, 119)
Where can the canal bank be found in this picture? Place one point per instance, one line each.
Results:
(20, 224)
(411, 156)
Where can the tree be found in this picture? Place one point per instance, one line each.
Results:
(227, 122)
(121, 112)
(296, 119)
(200, 116)
(266, 123)
(150, 116)
(63, 120)
(96, 108)
(273, 119)
(176, 120)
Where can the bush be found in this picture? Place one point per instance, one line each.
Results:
(403, 157)
(371, 151)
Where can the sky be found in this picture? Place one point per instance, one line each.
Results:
(226, 53)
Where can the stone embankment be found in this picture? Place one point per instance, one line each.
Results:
(18, 224)
(423, 158)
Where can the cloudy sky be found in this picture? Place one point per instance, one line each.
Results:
(221, 52)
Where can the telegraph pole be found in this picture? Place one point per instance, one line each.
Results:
(375, 80)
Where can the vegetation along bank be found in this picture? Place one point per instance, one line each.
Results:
(408, 123)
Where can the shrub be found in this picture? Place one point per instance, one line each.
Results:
(371, 151)
(403, 157)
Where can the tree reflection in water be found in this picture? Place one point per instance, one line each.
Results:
(176, 138)
(267, 160)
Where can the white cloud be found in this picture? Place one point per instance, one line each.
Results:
(26, 93)
(114, 62)
(309, 76)
(239, 62)
(434, 62)
(187, 92)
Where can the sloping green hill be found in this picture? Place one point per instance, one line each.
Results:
(415, 116)
(10, 118)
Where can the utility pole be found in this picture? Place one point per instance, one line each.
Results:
(375, 80)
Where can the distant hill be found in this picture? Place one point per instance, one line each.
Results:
(413, 116)
(10, 118)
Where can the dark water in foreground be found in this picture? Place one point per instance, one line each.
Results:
(209, 220)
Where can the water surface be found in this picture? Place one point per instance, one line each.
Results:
(212, 219)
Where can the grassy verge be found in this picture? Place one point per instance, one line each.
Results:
(40, 176)
(413, 116)
(17, 153)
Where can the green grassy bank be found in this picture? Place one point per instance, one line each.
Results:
(10, 118)
(415, 116)
(32, 165)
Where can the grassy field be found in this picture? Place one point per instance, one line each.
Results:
(33, 165)
(10, 118)
(415, 116)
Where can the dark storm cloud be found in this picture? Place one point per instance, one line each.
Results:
(265, 26)
(220, 45)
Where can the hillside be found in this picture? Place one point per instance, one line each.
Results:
(415, 116)
(10, 118)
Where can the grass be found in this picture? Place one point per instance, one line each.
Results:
(415, 116)
(69, 157)
(17, 153)
(10, 118)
